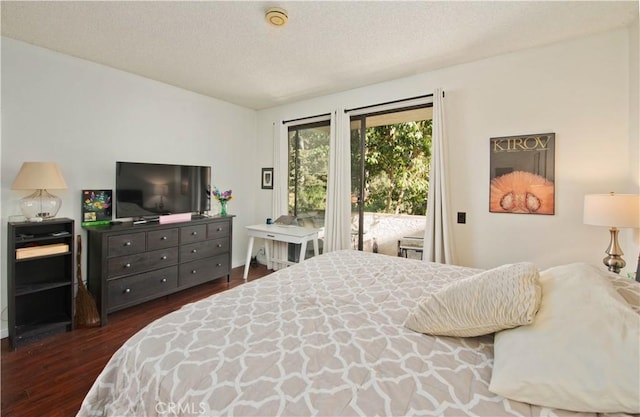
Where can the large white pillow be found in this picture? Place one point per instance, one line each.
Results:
(500, 298)
(581, 353)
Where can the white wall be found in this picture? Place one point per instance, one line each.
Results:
(577, 89)
(86, 116)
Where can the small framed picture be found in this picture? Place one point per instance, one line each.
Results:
(267, 178)
(96, 207)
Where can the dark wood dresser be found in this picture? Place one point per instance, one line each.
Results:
(129, 264)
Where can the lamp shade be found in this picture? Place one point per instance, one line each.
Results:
(612, 210)
(39, 176)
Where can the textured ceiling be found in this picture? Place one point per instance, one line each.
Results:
(225, 49)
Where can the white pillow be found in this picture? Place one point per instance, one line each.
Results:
(581, 353)
(500, 298)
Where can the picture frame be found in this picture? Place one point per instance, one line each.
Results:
(267, 178)
(96, 207)
(522, 174)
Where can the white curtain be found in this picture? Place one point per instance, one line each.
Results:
(437, 236)
(280, 205)
(337, 224)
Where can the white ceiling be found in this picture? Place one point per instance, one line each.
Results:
(225, 49)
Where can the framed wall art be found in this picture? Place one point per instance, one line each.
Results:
(522, 174)
(267, 178)
(96, 207)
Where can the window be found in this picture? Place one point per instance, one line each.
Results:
(390, 156)
(308, 168)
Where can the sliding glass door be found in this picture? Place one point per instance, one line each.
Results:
(390, 155)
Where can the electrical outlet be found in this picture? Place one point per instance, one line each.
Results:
(462, 217)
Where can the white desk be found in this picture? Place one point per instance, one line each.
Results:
(289, 234)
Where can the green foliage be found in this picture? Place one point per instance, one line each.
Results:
(309, 153)
(397, 161)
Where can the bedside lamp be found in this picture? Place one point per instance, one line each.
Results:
(39, 176)
(612, 210)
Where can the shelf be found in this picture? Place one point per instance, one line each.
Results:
(28, 331)
(40, 238)
(33, 288)
(40, 279)
(33, 258)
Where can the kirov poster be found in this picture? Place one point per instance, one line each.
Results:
(522, 174)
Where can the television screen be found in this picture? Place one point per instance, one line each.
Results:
(145, 190)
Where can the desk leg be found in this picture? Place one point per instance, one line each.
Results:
(248, 262)
(267, 252)
(316, 250)
(303, 251)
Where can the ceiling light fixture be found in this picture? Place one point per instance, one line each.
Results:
(276, 16)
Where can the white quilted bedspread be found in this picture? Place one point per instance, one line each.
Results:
(324, 338)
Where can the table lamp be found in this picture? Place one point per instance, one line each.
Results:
(613, 210)
(39, 176)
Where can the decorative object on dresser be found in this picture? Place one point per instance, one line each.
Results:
(223, 198)
(40, 283)
(129, 264)
(97, 207)
(39, 176)
(613, 210)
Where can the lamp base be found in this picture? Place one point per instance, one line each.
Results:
(614, 263)
(614, 259)
(40, 205)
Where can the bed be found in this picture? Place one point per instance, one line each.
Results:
(326, 337)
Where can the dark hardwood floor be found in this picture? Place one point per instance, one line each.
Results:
(51, 377)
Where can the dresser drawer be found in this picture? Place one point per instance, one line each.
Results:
(190, 234)
(159, 239)
(218, 229)
(203, 270)
(194, 251)
(119, 245)
(133, 264)
(205, 249)
(220, 246)
(137, 288)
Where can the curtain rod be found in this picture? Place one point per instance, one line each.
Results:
(284, 122)
(390, 102)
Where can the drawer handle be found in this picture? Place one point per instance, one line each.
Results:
(218, 264)
(219, 229)
(163, 257)
(194, 250)
(127, 243)
(127, 290)
(163, 238)
(271, 235)
(163, 280)
(127, 265)
(194, 271)
(219, 245)
(194, 233)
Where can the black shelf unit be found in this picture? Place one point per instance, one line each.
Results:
(40, 286)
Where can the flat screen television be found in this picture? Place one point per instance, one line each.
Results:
(146, 190)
